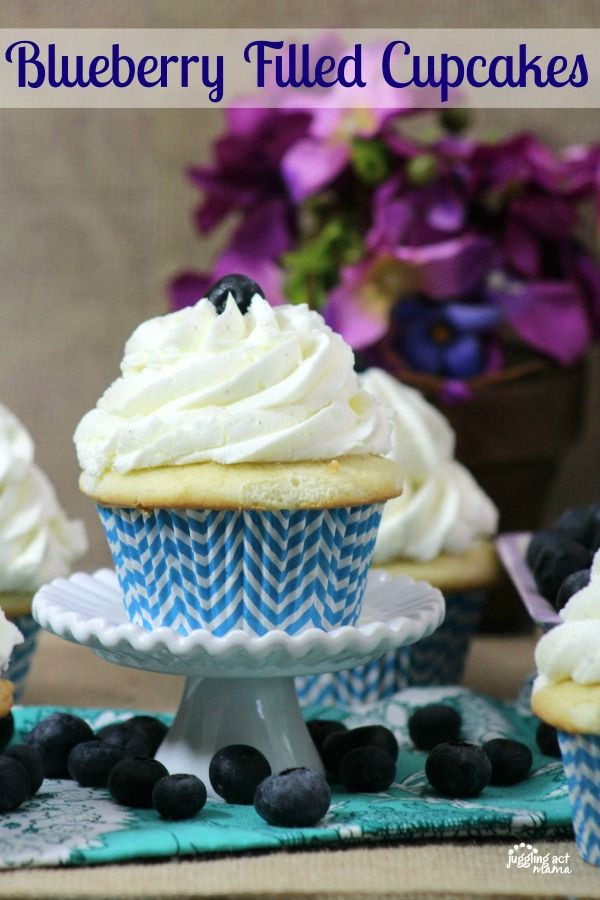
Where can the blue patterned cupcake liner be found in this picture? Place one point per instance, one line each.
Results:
(581, 759)
(436, 660)
(249, 569)
(22, 655)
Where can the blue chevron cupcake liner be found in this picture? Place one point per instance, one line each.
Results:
(22, 655)
(436, 660)
(249, 569)
(581, 759)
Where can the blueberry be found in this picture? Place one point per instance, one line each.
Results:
(125, 738)
(511, 760)
(132, 781)
(546, 738)
(367, 770)
(240, 287)
(321, 728)
(7, 729)
(91, 763)
(541, 540)
(151, 728)
(571, 585)
(54, 738)
(579, 524)
(15, 784)
(557, 560)
(236, 771)
(434, 724)
(458, 769)
(31, 760)
(296, 798)
(336, 745)
(178, 796)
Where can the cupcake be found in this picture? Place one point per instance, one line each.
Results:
(238, 468)
(37, 541)
(566, 695)
(10, 637)
(438, 530)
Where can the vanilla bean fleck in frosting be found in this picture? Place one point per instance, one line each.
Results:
(273, 384)
(441, 509)
(37, 541)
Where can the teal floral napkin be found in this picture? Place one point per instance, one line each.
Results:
(69, 825)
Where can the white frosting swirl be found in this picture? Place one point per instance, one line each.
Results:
(572, 649)
(37, 541)
(10, 636)
(273, 385)
(442, 509)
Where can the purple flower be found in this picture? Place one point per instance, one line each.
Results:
(447, 269)
(246, 171)
(448, 340)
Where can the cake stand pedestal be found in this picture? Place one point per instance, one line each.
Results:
(239, 688)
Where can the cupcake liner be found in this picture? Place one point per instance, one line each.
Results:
(22, 655)
(581, 759)
(249, 569)
(436, 660)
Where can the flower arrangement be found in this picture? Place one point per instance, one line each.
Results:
(447, 259)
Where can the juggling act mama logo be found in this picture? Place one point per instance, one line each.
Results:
(526, 856)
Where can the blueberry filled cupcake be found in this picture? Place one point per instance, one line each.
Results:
(238, 468)
(566, 695)
(438, 530)
(37, 540)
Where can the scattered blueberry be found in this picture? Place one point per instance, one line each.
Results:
(236, 771)
(132, 781)
(434, 724)
(125, 738)
(579, 524)
(178, 796)
(557, 560)
(7, 729)
(546, 738)
(571, 585)
(511, 760)
(15, 785)
(458, 769)
(296, 798)
(336, 745)
(321, 728)
(240, 287)
(31, 760)
(54, 738)
(91, 763)
(541, 541)
(367, 770)
(151, 728)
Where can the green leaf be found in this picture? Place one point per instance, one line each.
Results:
(370, 160)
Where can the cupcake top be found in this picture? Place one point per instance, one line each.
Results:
(231, 384)
(10, 636)
(571, 650)
(442, 509)
(37, 541)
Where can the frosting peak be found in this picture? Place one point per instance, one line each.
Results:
(442, 508)
(37, 541)
(273, 384)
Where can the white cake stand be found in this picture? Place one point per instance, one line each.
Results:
(239, 688)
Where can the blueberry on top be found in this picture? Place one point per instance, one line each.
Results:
(240, 287)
